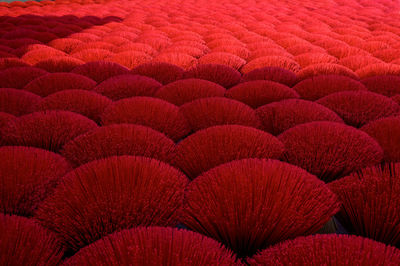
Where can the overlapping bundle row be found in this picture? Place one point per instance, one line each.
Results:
(199, 132)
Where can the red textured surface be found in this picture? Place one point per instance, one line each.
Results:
(197, 84)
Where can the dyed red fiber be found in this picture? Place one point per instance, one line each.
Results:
(271, 61)
(5, 118)
(187, 90)
(36, 55)
(23, 242)
(387, 85)
(220, 74)
(100, 70)
(6, 63)
(162, 72)
(55, 82)
(260, 92)
(179, 59)
(154, 246)
(87, 103)
(276, 74)
(280, 116)
(130, 59)
(213, 111)
(317, 87)
(18, 77)
(360, 107)
(126, 86)
(386, 132)
(329, 150)
(355, 62)
(66, 45)
(111, 194)
(59, 64)
(370, 203)
(223, 58)
(328, 250)
(126, 140)
(92, 55)
(326, 69)
(308, 59)
(17, 102)
(48, 130)
(252, 203)
(216, 145)
(379, 69)
(147, 111)
(28, 176)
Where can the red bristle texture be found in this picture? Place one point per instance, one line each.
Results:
(379, 69)
(126, 140)
(130, 59)
(271, 61)
(126, 86)
(329, 150)
(220, 74)
(111, 194)
(213, 111)
(12, 62)
(360, 107)
(328, 250)
(92, 55)
(326, 69)
(87, 103)
(260, 92)
(93, 45)
(216, 145)
(139, 47)
(154, 246)
(187, 90)
(18, 77)
(319, 86)
(17, 102)
(386, 131)
(147, 111)
(252, 203)
(28, 176)
(308, 59)
(387, 85)
(24, 242)
(36, 55)
(66, 45)
(223, 58)
(179, 59)
(370, 203)
(5, 118)
(237, 50)
(48, 130)
(55, 82)
(59, 64)
(100, 70)
(280, 116)
(355, 62)
(276, 74)
(162, 72)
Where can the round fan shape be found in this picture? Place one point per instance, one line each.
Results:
(280, 116)
(154, 246)
(112, 194)
(152, 112)
(370, 202)
(360, 107)
(48, 130)
(216, 145)
(17, 102)
(123, 139)
(252, 203)
(28, 175)
(23, 242)
(328, 250)
(220, 74)
(329, 150)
